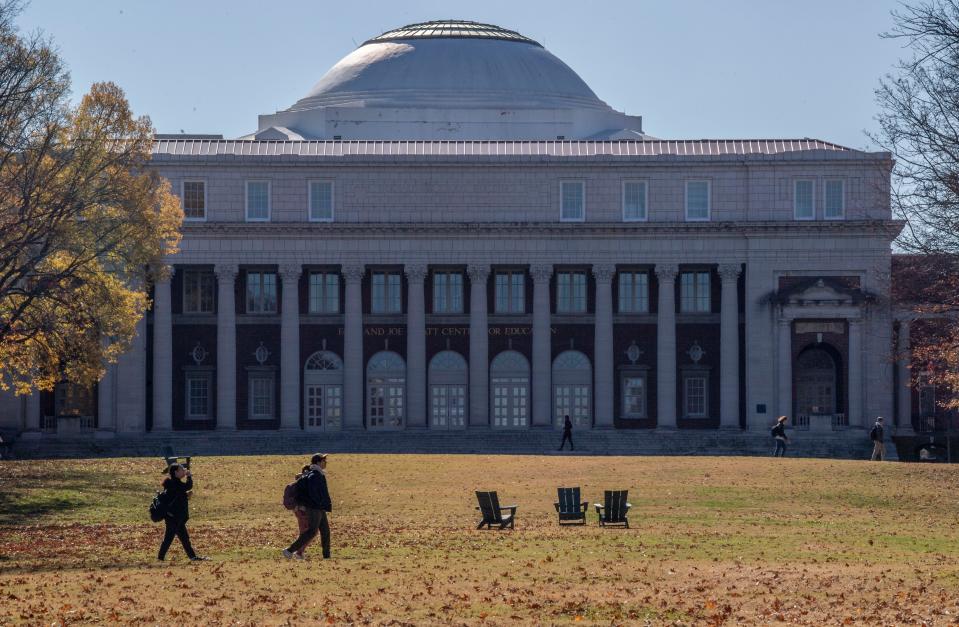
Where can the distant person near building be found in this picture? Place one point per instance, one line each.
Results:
(567, 434)
(878, 445)
(779, 434)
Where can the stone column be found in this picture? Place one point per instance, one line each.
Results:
(785, 368)
(106, 410)
(31, 422)
(415, 347)
(290, 348)
(603, 346)
(542, 351)
(729, 347)
(904, 374)
(226, 346)
(162, 350)
(856, 417)
(666, 347)
(353, 348)
(479, 346)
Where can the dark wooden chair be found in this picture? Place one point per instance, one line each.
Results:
(492, 512)
(170, 458)
(570, 509)
(614, 509)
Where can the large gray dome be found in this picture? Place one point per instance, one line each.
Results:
(476, 81)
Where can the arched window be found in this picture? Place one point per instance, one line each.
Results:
(509, 390)
(385, 391)
(572, 389)
(449, 378)
(323, 391)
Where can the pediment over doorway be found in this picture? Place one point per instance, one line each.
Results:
(820, 291)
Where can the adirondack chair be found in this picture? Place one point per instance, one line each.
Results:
(615, 509)
(492, 512)
(170, 458)
(569, 507)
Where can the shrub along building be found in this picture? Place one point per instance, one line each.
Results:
(452, 231)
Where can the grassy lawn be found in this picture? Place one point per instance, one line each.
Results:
(713, 540)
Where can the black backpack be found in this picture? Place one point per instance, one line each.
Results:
(874, 434)
(774, 431)
(159, 506)
(302, 489)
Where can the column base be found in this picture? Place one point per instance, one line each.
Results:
(667, 428)
(290, 428)
(225, 428)
(730, 428)
(104, 434)
(604, 427)
(31, 435)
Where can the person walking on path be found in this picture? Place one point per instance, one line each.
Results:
(567, 434)
(317, 504)
(178, 511)
(878, 444)
(779, 433)
(301, 519)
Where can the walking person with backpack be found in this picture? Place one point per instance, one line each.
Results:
(878, 445)
(567, 434)
(779, 434)
(291, 500)
(314, 497)
(176, 510)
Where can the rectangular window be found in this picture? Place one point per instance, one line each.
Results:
(633, 292)
(194, 200)
(447, 292)
(694, 292)
(260, 292)
(634, 395)
(634, 201)
(257, 201)
(321, 201)
(198, 395)
(835, 200)
(571, 292)
(803, 206)
(694, 396)
(697, 200)
(324, 293)
(198, 290)
(572, 201)
(261, 396)
(387, 293)
(510, 292)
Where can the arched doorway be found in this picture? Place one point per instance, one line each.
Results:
(449, 377)
(572, 389)
(323, 391)
(385, 391)
(818, 381)
(509, 390)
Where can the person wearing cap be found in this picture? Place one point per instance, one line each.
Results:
(878, 445)
(779, 434)
(178, 511)
(317, 504)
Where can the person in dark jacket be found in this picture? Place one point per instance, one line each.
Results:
(779, 433)
(178, 511)
(567, 434)
(878, 445)
(302, 522)
(318, 504)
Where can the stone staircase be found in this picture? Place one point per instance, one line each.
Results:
(841, 445)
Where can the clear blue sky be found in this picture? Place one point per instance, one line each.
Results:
(693, 69)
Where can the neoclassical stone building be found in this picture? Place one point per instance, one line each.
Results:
(451, 231)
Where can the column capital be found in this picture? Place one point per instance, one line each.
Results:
(162, 272)
(604, 272)
(666, 271)
(290, 273)
(415, 272)
(226, 271)
(353, 273)
(729, 272)
(478, 272)
(541, 272)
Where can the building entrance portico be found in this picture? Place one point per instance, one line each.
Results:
(572, 389)
(449, 378)
(386, 391)
(817, 382)
(509, 390)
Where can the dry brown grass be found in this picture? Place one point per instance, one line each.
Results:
(713, 540)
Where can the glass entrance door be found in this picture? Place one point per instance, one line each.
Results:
(324, 406)
(510, 402)
(447, 406)
(572, 401)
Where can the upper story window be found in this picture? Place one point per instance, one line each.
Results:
(257, 201)
(194, 200)
(697, 200)
(634, 201)
(324, 293)
(321, 201)
(448, 292)
(387, 293)
(198, 289)
(572, 201)
(804, 207)
(694, 292)
(510, 292)
(260, 292)
(633, 292)
(571, 292)
(835, 206)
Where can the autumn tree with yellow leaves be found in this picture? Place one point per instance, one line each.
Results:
(81, 219)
